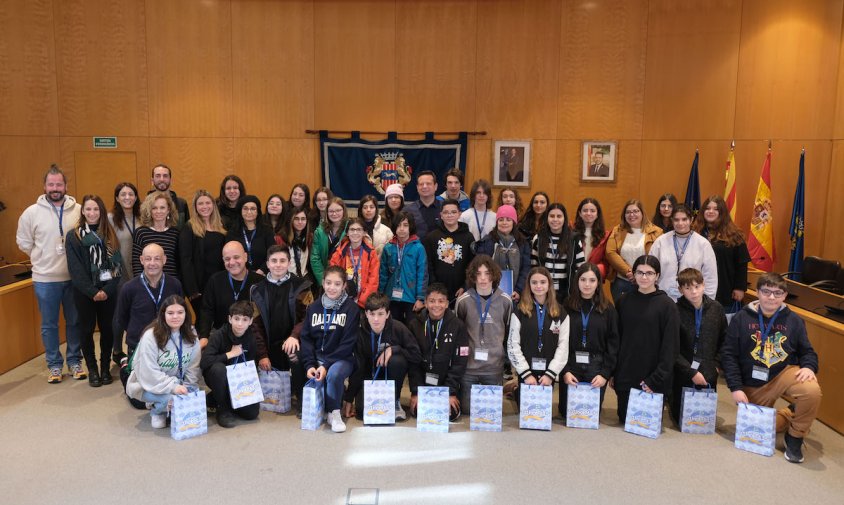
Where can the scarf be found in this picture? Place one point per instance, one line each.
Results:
(88, 238)
(330, 304)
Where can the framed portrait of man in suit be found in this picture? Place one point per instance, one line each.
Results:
(512, 163)
(599, 161)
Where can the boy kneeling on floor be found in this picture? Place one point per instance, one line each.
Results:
(766, 354)
(232, 342)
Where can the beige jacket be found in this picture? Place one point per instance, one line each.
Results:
(39, 233)
(616, 240)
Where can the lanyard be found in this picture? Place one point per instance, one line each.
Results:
(240, 290)
(678, 252)
(248, 242)
(299, 270)
(540, 319)
(698, 318)
(766, 332)
(481, 224)
(506, 251)
(156, 301)
(400, 253)
(130, 228)
(375, 348)
(435, 345)
(355, 266)
(553, 246)
(60, 215)
(482, 314)
(584, 320)
(179, 355)
(326, 323)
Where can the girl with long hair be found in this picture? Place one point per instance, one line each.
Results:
(589, 228)
(358, 258)
(231, 190)
(328, 236)
(534, 216)
(319, 209)
(509, 196)
(662, 214)
(557, 249)
(379, 232)
(299, 238)
(201, 243)
(631, 238)
(731, 254)
(123, 217)
(393, 202)
(275, 217)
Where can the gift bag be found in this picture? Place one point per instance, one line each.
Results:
(697, 411)
(189, 416)
(644, 414)
(275, 386)
(535, 407)
(756, 429)
(433, 409)
(313, 405)
(506, 283)
(244, 386)
(733, 310)
(379, 401)
(583, 406)
(486, 406)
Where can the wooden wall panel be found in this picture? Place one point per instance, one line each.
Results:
(602, 69)
(838, 131)
(25, 160)
(355, 65)
(28, 104)
(189, 53)
(692, 53)
(101, 67)
(196, 163)
(518, 69)
(270, 166)
(273, 68)
(785, 75)
(140, 177)
(435, 69)
(833, 245)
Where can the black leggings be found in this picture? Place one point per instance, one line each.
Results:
(93, 314)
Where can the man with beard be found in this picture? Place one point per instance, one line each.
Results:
(41, 235)
(162, 176)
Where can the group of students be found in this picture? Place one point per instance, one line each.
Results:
(429, 283)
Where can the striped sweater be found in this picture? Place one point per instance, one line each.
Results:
(560, 266)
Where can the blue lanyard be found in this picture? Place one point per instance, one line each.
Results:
(400, 253)
(242, 285)
(540, 319)
(698, 318)
(584, 320)
(677, 250)
(132, 228)
(766, 332)
(179, 355)
(553, 246)
(326, 323)
(481, 224)
(60, 215)
(506, 251)
(248, 242)
(156, 301)
(482, 314)
(375, 347)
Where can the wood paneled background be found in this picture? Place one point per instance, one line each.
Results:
(213, 87)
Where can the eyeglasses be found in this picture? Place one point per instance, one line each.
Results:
(647, 275)
(335, 211)
(776, 293)
(634, 211)
(355, 230)
(247, 209)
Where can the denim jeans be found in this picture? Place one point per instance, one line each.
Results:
(335, 383)
(51, 296)
(159, 402)
(466, 386)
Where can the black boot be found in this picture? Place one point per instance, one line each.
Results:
(105, 372)
(94, 377)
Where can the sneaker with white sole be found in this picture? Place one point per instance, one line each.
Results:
(401, 415)
(336, 421)
(793, 448)
(158, 420)
(55, 376)
(77, 371)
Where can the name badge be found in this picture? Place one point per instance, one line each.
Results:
(695, 364)
(105, 275)
(581, 357)
(481, 355)
(398, 293)
(60, 246)
(432, 379)
(760, 373)
(537, 364)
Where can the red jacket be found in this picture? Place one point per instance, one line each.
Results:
(368, 270)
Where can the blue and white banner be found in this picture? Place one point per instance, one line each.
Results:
(353, 167)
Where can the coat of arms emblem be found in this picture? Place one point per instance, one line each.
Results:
(388, 169)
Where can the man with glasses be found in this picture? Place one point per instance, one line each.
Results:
(766, 354)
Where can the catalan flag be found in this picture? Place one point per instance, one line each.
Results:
(760, 242)
(730, 185)
(692, 200)
(795, 231)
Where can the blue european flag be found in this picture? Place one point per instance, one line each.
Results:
(693, 188)
(795, 230)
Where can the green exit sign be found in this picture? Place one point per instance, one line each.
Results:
(105, 142)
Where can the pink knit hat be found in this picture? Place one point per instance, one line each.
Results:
(394, 189)
(507, 211)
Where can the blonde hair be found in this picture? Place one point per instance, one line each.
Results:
(197, 224)
(149, 201)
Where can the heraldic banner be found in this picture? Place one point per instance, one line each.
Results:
(353, 167)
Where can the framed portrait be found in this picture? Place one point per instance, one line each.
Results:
(511, 163)
(599, 161)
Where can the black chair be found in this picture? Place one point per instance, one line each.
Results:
(821, 273)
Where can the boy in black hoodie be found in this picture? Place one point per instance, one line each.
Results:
(225, 346)
(384, 343)
(449, 250)
(444, 345)
(766, 354)
(702, 328)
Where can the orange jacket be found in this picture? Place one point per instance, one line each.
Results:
(616, 240)
(368, 270)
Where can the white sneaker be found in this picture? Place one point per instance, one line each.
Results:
(159, 420)
(400, 413)
(336, 421)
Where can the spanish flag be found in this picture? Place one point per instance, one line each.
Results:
(760, 242)
(730, 186)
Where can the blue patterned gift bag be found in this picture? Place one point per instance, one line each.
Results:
(535, 407)
(486, 406)
(313, 405)
(244, 386)
(583, 406)
(698, 411)
(756, 429)
(433, 409)
(189, 416)
(644, 414)
(379, 402)
(275, 385)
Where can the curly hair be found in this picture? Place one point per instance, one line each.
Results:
(149, 201)
(483, 260)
